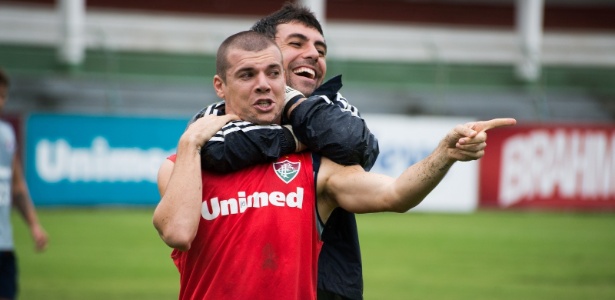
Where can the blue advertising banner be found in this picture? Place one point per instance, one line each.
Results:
(97, 160)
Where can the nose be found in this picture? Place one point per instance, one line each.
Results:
(262, 84)
(311, 53)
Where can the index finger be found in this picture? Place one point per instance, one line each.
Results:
(494, 123)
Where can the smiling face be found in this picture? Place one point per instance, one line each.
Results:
(254, 85)
(304, 51)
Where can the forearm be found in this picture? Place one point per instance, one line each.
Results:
(177, 215)
(465, 142)
(21, 197)
(241, 144)
(23, 203)
(417, 181)
(25, 207)
(363, 192)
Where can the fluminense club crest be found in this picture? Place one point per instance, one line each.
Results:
(287, 170)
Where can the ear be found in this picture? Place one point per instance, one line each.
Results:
(219, 86)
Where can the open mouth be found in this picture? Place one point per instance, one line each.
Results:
(305, 72)
(263, 103)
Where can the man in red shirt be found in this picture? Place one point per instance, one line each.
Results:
(254, 234)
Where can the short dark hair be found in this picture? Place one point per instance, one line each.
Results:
(244, 40)
(290, 12)
(4, 79)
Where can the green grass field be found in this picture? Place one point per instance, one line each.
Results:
(116, 254)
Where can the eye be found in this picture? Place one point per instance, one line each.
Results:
(275, 73)
(322, 52)
(295, 44)
(245, 75)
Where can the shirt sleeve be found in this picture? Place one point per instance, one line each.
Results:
(334, 129)
(241, 144)
(327, 124)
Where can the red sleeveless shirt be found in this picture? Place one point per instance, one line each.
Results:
(258, 236)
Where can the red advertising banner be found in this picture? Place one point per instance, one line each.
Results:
(549, 166)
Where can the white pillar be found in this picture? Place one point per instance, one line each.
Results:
(71, 47)
(319, 8)
(529, 15)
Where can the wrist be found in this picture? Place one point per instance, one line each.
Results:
(443, 156)
(289, 141)
(291, 94)
(291, 105)
(188, 143)
(291, 98)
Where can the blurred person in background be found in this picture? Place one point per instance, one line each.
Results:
(325, 123)
(13, 192)
(255, 233)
